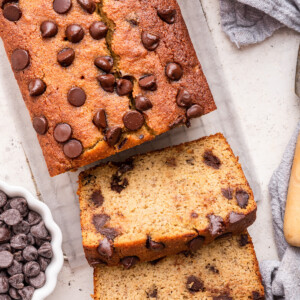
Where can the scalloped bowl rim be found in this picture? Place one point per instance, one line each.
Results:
(57, 261)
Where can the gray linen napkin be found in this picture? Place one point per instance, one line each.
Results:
(282, 279)
(252, 21)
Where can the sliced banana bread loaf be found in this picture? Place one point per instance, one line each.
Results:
(163, 202)
(226, 269)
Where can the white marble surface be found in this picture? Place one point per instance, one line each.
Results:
(261, 81)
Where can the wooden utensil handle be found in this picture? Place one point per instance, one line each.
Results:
(292, 210)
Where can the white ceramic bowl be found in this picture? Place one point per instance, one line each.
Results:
(57, 261)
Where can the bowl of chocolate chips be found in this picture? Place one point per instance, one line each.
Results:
(30, 246)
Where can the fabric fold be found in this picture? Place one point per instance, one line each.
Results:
(252, 21)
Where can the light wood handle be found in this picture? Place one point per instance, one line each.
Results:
(292, 210)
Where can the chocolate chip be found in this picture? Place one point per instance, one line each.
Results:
(40, 125)
(43, 262)
(148, 83)
(216, 225)
(193, 284)
(184, 98)
(73, 149)
(38, 281)
(100, 119)
(4, 285)
(152, 293)
(235, 217)
(98, 30)
(133, 120)
(105, 248)
(34, 218)
(100, 220)
(113, 135)
(74, 33)
(174, 71)
(30, 253)
(11, 217)
(31, 269)
(125, 166)
(117, 184)
(48, 29)
(39, 231)
(13, 294)
(142, 103)
(62, 6)
(12, 12)
(97, 198)
(6, 259)
(88, 5)
(179, 120)
(124, 87)
(242, 198)
(18, 256)
(195, 111)
(16, 281)
(244, 240)
(121, 145)
(30, 239)
(171, 162)
(211, 160)
(15, 268)
(36, 87)
(129, 261)
(26, 293)
(46, 250)
(76, 96)
(5, 247)
(156, 246)
(22, 227)
(150, 41)
(110, 233)
(20, 59)
(19, 241)
(141, 136)
(196, 243)
(66, 57)
(3, 199)
(257, 296)
(194, 215)
(4, 234)
(168, 15)
(62, 132)
(107, 82)
(105, 63)
(227, 193)
(20, 204)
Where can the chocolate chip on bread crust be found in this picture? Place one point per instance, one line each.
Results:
(121, 73)
(164, 202)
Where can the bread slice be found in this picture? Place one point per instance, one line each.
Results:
(164, 202)
(225, 269)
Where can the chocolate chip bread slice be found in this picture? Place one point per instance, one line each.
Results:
(102, 76)
(163, 202)
(224, 270)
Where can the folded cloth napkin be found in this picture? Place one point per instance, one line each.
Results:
(252, 21)
(282, 279)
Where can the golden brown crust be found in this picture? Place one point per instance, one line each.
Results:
(25, 34)
(226, 268)
(175, 243)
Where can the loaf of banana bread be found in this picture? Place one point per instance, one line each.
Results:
(224, 270)
(99, 77)
(164, 202)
